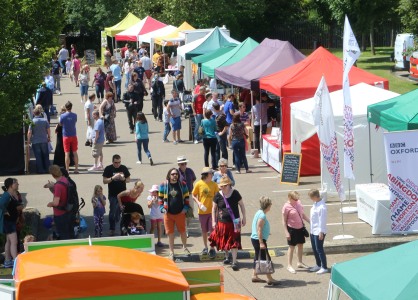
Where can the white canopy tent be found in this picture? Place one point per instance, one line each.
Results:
(148, 37)
(367, 168)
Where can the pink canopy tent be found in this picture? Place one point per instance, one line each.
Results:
(146, 25)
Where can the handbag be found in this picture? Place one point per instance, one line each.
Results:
(263, 267)
(201, 130)
(304, 230)
(236, 221)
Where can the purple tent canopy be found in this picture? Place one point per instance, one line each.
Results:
(267, 58)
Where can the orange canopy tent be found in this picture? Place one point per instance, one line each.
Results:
(300, 82)
(173, 38)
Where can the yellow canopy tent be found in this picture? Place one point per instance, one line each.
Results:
(172, 38)
(127, 22)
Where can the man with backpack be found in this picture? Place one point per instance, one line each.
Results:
(56, 73)
(60, 190)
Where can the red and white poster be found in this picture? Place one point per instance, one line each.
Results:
(402, 164)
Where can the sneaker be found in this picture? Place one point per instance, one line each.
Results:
(227, 261)
(196, 142)
(93, 168)
(322, 271)
(212, 253)
(159, 244)
(175, 142)
(131, 131)
(204, 251)
(151, 162)
(302, 266)
(187, 252)
(100, 168)
(139, 162)
(291, 270)
(166, 141)
(314, 269)
(235, 266)
(171, 256)
(8, 263)
(180, 141)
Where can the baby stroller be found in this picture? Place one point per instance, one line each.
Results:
(126, 226)
(80, 224)
(187, 104)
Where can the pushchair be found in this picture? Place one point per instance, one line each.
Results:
(80, 224)
(126, 226)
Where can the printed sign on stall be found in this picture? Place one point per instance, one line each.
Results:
(402, 164)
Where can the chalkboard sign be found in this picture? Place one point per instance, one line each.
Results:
(291, 168)
(90, 56)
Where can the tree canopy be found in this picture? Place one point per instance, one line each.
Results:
(25, 49)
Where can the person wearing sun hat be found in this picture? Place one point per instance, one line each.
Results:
(187, 175)
(227, 221)
(203, 193)
(155, 215)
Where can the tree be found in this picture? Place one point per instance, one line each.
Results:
(408, 10)
(364, 16)
(30, 29)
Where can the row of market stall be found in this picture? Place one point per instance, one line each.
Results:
(278, 67)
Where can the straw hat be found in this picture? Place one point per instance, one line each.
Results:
(224, 181)
(206, 170)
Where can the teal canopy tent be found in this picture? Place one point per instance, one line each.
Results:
(396, 114)
(229, 58)
(211, 55)
(388, 274)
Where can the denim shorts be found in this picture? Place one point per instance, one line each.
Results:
(176, 122)
(84, 90)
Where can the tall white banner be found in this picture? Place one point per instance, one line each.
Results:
(324, 122)
(351, 52)
(402, 164)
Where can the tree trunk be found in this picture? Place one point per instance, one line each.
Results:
(363, 42)
(372, 42)
(392, 40)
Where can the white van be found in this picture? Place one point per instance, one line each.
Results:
(402, 43)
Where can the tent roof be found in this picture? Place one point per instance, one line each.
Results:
(62, 266)
(127, 22)
(385, 274)
(362, 95)
(167, 39)
(399, 113)
(146, 38)
(146, 25)
(268, 57)
(301, 80)
(212, 41)
(229, 58)
(211, 55)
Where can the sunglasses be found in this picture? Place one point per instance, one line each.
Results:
(172, 174)
(223, 166)
(117, 162)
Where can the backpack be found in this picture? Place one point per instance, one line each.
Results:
(73, 202)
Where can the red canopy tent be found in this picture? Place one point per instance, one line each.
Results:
(144, 26)
(300, 82)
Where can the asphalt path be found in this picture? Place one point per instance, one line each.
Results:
(264, 181)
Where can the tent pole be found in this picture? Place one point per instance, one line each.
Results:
(252, 116)
(370, 154)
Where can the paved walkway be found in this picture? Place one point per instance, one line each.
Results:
(263, 181)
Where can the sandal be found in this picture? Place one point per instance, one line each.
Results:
(256, 279)
(291, 270)
(273, 282)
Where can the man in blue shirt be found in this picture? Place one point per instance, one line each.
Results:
(98, 142)
(68, 122)
(117, 78)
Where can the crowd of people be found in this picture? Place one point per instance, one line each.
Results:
(220, 123)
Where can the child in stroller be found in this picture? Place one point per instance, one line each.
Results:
(133, 219)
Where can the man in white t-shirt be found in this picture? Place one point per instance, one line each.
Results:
(62, 58)
(147, 65)
(88, 116)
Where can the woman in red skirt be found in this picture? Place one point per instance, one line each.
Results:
(227, 221)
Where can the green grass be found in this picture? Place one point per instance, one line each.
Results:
(381, 65)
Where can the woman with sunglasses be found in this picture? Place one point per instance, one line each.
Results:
(223, 172)
(227, 221)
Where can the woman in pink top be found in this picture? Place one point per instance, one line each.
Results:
(76, 69)
(293, 227)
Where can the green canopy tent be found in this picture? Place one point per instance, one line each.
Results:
(198, 60)
(388, 274)
(229, 58)
(396, 114)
